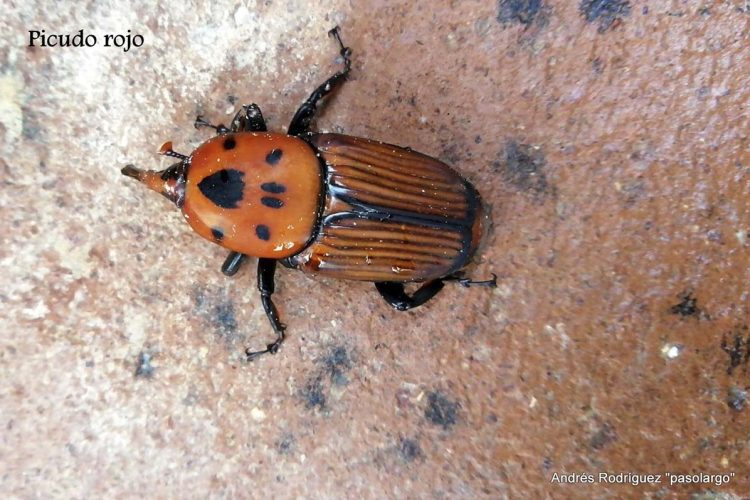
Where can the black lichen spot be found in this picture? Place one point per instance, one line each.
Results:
(262, 232)
(601, 438)
(522, 166)
(737, 398)
(441, 410)
(606, 12)
(143, 367)
(337, 363)
(217, 233)
(313, 393)
(688, 306)
(224, 188)
(224, 317)
(519, 11)
(272, 187)
(737, 347)
(229, 143)
(285, 445)
(274, 157)
(272, 202)
(409, 450)
(219, 312)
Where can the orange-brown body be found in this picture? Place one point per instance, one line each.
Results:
(327, 204)
(279, 185)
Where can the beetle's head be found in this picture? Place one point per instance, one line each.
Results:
(169, 182)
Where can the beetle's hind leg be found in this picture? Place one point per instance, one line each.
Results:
(266, 270)
(466, 282)
(301, 122)
(396, 296)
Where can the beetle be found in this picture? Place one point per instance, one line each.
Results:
(325, 203)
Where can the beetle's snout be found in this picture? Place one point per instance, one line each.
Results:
(169, 186)
(150, 178)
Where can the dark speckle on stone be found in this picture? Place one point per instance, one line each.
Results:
(143, 367)
(522, 167)
(518, 11)
(737, 348)
(218, 310)
(441, 410)
(313, 394)
(285, 445)
(688, 306)
(274, 157)
(337, 363)
(605, 12)
(602, 437)
(737, 398)
(225, 318)
(409, 449)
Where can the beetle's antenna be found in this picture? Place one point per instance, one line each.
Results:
(166, 150)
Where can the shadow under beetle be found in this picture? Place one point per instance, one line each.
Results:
(327, 204)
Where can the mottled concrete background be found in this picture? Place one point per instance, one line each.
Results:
(610, 139)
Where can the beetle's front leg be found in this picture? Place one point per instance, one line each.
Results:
(249, 119)
(301, 122)
(266, 270)
(200, 122)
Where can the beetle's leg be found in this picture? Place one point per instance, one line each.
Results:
(466, 282)
(200, 122)
(232, 263)
(301, 122)
(395, 295)
(248, 119)
(266, 270)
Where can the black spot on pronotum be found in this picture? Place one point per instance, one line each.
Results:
(519, 11)
(687, 307)
(605, 12)
(224, 188)
(441, 410)
(229, 143)
(272, 202)
(273, 187)
(262, 232)
(274, 157)
(217, 233)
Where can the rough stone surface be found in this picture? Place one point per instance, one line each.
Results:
(610, 139)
